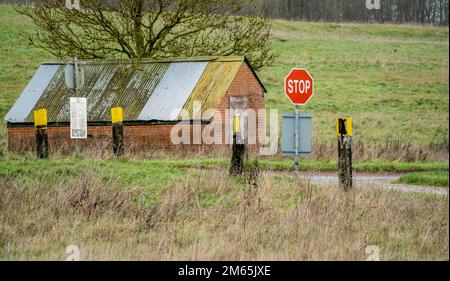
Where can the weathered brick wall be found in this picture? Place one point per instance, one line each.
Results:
(245, 83)
(23, 139)
(158, 137)
(145, 138)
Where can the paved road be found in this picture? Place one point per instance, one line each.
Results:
(365, 180)
(377, 181)
(371, 181)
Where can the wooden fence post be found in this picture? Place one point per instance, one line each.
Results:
(117, 130)
(344, 133)
(238, 150)
(40, 124)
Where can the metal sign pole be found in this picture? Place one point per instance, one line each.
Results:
(297, 113)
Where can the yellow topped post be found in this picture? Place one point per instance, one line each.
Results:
(40, 123)
(40, 118)
(117, 130)
(117, 115)
(236, 123)
(344, 131)
(344, 127)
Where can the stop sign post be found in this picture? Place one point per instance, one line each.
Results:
(299, 88)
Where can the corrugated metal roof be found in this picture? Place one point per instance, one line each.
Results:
(173, 90)
(31, 94)
(212, 86)
(147, 89)
(105, 86)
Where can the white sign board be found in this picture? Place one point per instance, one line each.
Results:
(78, 118)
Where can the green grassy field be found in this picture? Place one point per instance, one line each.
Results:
(393, 80)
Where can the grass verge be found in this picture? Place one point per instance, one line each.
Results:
(129, 164)
(436, 178)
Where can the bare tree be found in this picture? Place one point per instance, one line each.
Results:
(151, 29)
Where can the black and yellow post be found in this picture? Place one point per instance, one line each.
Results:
(238, 150)
(117, 130)
(40, 123)
(344, 132)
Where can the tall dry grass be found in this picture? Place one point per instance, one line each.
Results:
(322, 150)
(208, 215)
(392, 150)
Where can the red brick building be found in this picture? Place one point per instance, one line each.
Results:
(156, 95)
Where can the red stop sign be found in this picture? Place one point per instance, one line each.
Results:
(299, 86)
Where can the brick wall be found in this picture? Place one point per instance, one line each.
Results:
(246, 84)
(23, 139)
(145, 137)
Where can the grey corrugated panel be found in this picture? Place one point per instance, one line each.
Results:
(26, 102)
(173, 90)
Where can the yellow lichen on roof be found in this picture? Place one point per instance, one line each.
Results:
(212, 87)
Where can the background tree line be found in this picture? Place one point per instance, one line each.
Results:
(392, 11)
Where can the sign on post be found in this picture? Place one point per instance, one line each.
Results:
(299, 86)
(296, 139)
(78, 118)
(304, 126)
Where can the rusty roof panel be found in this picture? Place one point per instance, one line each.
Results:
(173, 90)
(213, 85)
(105, 86)
(27, 101)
